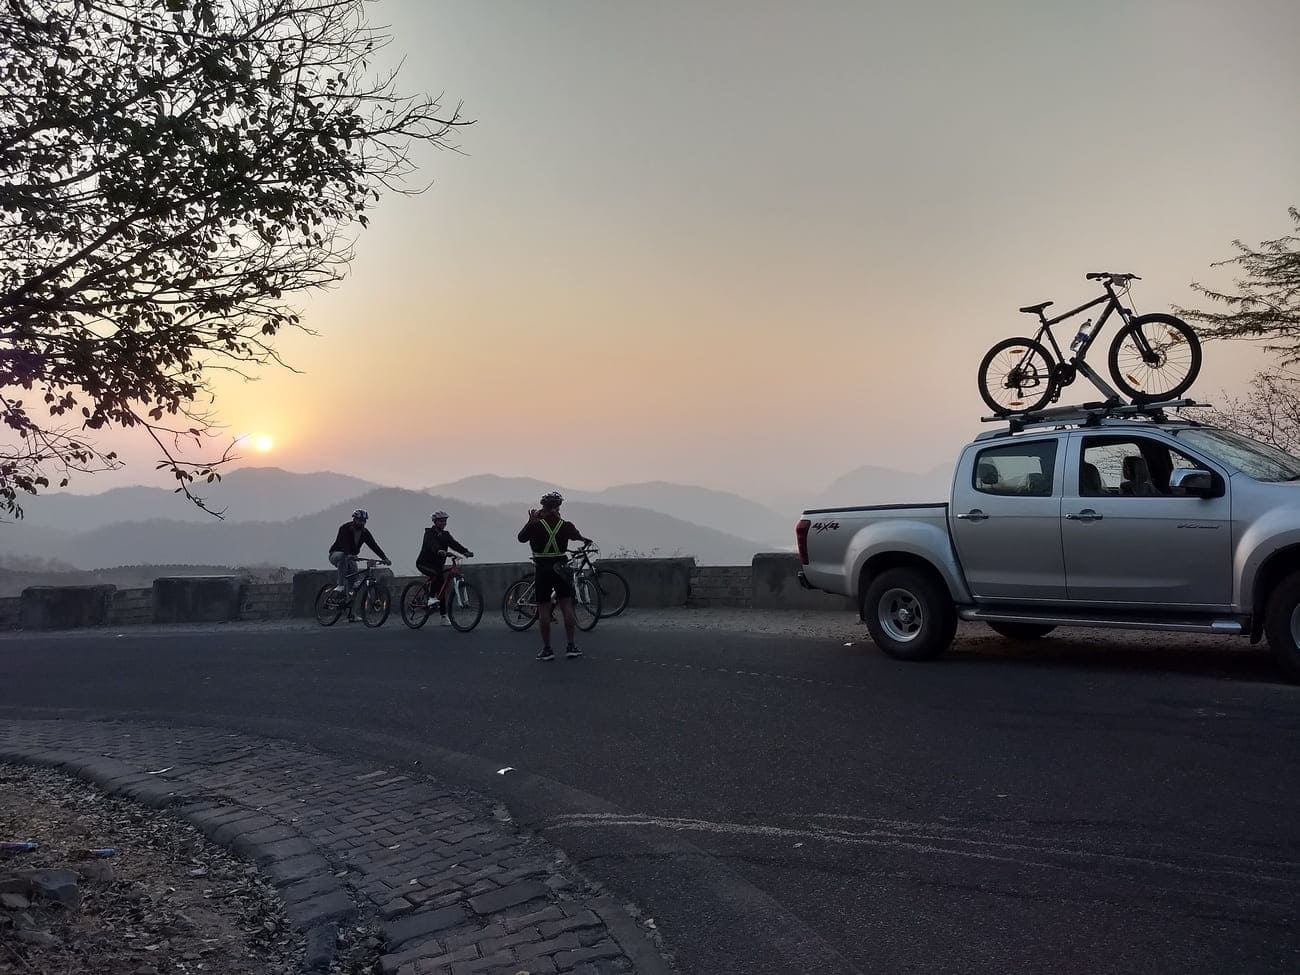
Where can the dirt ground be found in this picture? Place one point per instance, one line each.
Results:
(167, 901)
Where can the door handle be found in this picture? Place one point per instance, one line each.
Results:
(973, 515)
(1087, 514)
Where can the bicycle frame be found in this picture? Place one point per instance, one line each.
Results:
(1076, 359)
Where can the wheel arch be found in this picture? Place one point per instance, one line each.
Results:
(885, 561)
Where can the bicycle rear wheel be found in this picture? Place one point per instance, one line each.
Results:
(586, 602)
(1017, 376)
(328, 610)
(614, 592)
(1155, 357)
(465, 607)
(415, 604)
(519, 605)
(376, 603)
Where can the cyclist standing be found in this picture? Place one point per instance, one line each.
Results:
(548, 536)
(433, 559)
(347, 546)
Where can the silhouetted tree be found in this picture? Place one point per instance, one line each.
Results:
(1270, 413)
(172, 172)
(1266, 304)
(1264, 308)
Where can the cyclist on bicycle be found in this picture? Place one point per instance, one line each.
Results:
(548, 535)
(433, 558)
(347, 546)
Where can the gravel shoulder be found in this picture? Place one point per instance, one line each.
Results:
(166, 900)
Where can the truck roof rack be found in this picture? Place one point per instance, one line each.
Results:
(1086, 415)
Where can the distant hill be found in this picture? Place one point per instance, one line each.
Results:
(246, 494)
(722, 511)
(397, 519)
(882, 485)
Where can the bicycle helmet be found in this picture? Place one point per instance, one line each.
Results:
(440, 516)
(553, 497)
(361, 514)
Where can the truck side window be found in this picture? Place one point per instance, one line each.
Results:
(1023, 470)
(1128, 467)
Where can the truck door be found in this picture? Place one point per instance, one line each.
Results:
(1006, 519)
(1131, 538)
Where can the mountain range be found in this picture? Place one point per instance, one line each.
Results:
(278, 517)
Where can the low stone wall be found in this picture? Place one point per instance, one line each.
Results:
(65, 607)
(722, 585)
(196, 599)
(132, 607)
(769, 583)
(266, 601)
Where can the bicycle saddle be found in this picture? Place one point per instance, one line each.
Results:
(1034, 309)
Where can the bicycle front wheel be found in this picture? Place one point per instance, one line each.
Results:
(1155, 357)
(519, 605)
(328, 609)
(375, 605)
(586, 602)
(614, 592)
(415, 604)
(466, 607)
(1017, 376)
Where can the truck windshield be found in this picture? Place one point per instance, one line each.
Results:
(1254, 459)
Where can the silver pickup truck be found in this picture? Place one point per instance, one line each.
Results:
(1125, 517)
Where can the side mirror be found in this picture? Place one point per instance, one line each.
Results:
(1195, 483)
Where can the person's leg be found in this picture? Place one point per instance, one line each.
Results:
(341, 562)
(570, 623)
(545, 585)
(544, 621)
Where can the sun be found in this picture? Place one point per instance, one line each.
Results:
(262, 443)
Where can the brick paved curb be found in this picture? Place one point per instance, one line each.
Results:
(456, 889)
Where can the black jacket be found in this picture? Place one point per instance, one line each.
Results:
(351, 541)
(435, 540)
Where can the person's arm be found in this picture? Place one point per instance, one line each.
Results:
(575, 535)
(369, 539)
(452, 543)
(532, 517)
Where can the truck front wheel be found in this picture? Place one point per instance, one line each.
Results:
(909, 615)
(1282, 624)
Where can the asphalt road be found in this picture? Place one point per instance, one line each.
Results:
(781, 804)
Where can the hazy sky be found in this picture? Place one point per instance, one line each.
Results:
(754, 245)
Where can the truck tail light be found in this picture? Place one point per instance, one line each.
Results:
(801, 537)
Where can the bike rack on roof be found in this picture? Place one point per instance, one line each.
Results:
(1086, 415)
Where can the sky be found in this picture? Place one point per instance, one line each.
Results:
(755, 245)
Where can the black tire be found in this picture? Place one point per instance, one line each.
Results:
(520, 617)
(1022, 372)
(1179, 358)
(586, 602)
(376, 604)
(927, 628)
(614, 592)
(415, 604)
(328, 611)
(1282, 625)
(465, 617)
(1022, 631)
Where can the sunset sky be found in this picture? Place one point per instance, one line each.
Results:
(753, 245)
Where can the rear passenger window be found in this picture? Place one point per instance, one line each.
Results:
(1018, 469)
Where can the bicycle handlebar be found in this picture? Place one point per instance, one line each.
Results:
(1111, 276)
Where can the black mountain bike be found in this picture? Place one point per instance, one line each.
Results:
(1152, 358)
(364, 587)
(614, 591)
(519, 604)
